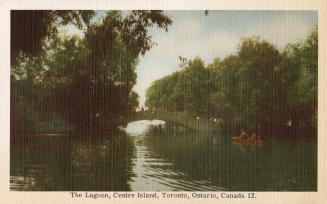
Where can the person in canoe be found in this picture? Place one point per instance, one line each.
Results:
(243, 136)
(254, 137)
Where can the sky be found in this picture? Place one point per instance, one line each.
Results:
(193, 34)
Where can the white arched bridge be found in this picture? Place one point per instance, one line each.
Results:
(180, 118)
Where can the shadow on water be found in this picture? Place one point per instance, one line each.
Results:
(101, 163)
(212, 162)
(159, 156)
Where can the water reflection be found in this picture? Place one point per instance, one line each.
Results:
(160, 156)
(62, 163)
(174, 158)
(152, 170)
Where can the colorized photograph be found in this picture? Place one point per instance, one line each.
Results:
(163, 100)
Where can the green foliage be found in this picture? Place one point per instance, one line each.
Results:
(301, 65)
(82, 82)
(182, 91)
(258, 89)
(29, 28)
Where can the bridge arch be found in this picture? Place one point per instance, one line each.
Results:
(186, 120)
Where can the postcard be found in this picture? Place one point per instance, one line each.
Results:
(163, 102)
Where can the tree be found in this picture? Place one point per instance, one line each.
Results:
(258, 89)
(88, 81)
(300, 67)
(29, 28)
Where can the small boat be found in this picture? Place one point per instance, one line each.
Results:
(247, 140)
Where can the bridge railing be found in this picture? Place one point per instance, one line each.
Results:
(181, 118)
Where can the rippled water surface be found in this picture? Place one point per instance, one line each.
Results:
(158, 156)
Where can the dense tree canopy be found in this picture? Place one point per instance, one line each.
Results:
(258, 89)
(82, 81)
(87, 81)
(30, 27)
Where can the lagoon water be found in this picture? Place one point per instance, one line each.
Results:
(158, 156)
